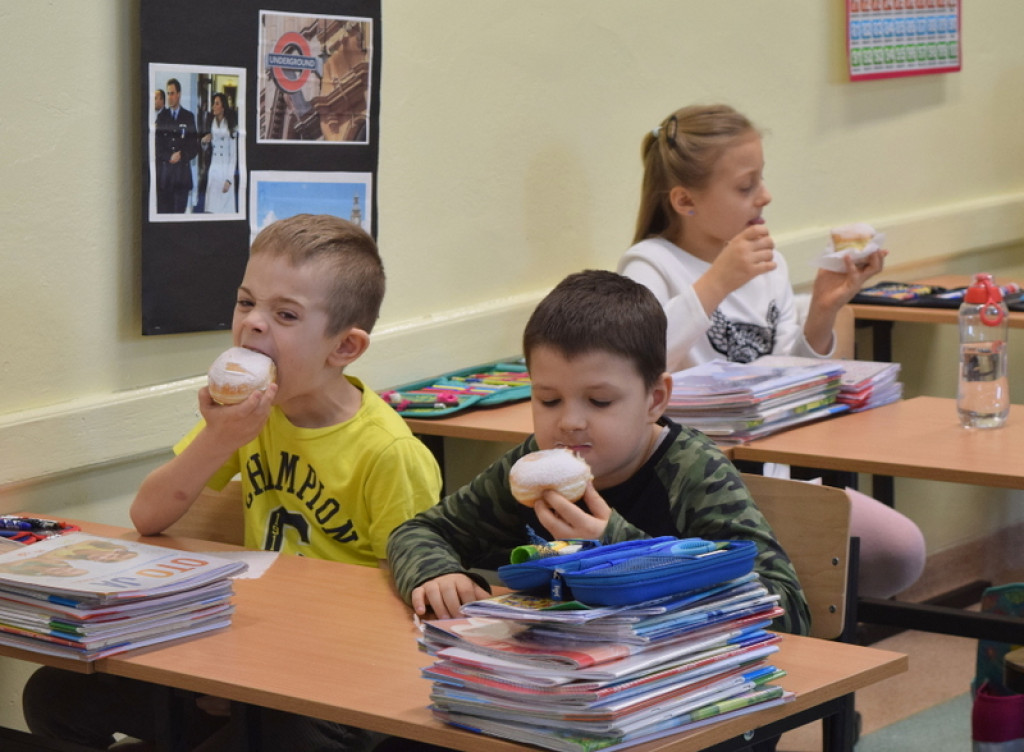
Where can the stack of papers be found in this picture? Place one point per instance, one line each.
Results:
(563, 676)
(86, 597)
(737, 402)
(864, 384)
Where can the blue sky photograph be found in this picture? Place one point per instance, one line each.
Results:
(279, 195)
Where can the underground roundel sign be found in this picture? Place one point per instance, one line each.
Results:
(291, 62)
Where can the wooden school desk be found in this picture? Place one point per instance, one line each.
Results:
(512, 423)
(880, 318)
(333, 641)
(915, 438)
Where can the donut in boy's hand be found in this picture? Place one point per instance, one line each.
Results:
(555, 469)
(238, 372)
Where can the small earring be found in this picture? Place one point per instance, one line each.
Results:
(689, 212)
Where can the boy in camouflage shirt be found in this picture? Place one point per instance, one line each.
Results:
(595, 347)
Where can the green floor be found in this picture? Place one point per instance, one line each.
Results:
(942, 728)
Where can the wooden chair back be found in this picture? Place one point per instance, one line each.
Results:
(214, 516)
(812, 523)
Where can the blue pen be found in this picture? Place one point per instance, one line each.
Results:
(9, 522)
(14, 523)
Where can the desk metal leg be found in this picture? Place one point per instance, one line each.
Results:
(881, 338)
(883, 489)
(840, 732)
(247, 718)
(881, 350)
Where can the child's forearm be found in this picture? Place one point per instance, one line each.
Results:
(169, 490)
(711, 290)
(818, 329)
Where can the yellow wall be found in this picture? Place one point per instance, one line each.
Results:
(510, 135)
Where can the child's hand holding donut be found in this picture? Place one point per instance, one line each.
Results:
(551, 481)
(233, 378)
(568, 521)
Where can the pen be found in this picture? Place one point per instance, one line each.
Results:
(13, 523)
(10, 522)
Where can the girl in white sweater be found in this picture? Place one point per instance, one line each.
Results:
(702, 247)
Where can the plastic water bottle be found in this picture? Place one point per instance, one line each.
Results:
(983, 394)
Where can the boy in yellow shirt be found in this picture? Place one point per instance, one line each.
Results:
(328, 468)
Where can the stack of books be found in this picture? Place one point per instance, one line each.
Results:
(87, 597)
(867, 384)
(564, 676)
(737, 402)
(863, 385)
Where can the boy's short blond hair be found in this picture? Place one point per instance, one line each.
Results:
(349, 256)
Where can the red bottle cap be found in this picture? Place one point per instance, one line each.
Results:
(984, 292)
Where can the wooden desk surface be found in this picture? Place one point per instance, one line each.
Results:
(915, 438)
(512, 423)
(332, 640)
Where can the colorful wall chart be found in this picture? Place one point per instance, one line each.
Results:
(889, 38)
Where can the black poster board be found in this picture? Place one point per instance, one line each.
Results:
(301, 85)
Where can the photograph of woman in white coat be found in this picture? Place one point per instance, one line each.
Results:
(222, 140)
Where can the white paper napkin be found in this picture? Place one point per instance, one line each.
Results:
(832, 259)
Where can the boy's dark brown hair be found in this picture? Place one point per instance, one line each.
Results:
(348, 255)
(601, 310)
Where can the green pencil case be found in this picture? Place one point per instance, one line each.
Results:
(481, 386)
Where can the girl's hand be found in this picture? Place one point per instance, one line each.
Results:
(567, 521)
(833, 290)
(748, 255)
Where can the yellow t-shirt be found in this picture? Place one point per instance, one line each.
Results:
(331, 493)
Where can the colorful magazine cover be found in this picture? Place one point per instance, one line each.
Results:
(87, 571)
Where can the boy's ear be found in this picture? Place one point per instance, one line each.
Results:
(681, 200)
(660, 394)
(349, 345)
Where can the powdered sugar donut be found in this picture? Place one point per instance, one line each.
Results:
(555, 469)
(238, 372)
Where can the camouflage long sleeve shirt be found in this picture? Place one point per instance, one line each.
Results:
(688, 488)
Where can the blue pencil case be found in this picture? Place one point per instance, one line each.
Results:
(481, 386)
(634, 571)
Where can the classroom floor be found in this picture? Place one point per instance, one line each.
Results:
(941, 668)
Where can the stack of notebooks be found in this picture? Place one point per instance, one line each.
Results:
(738, 402)
(863, 385)
(564, 676)
(87, 597)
